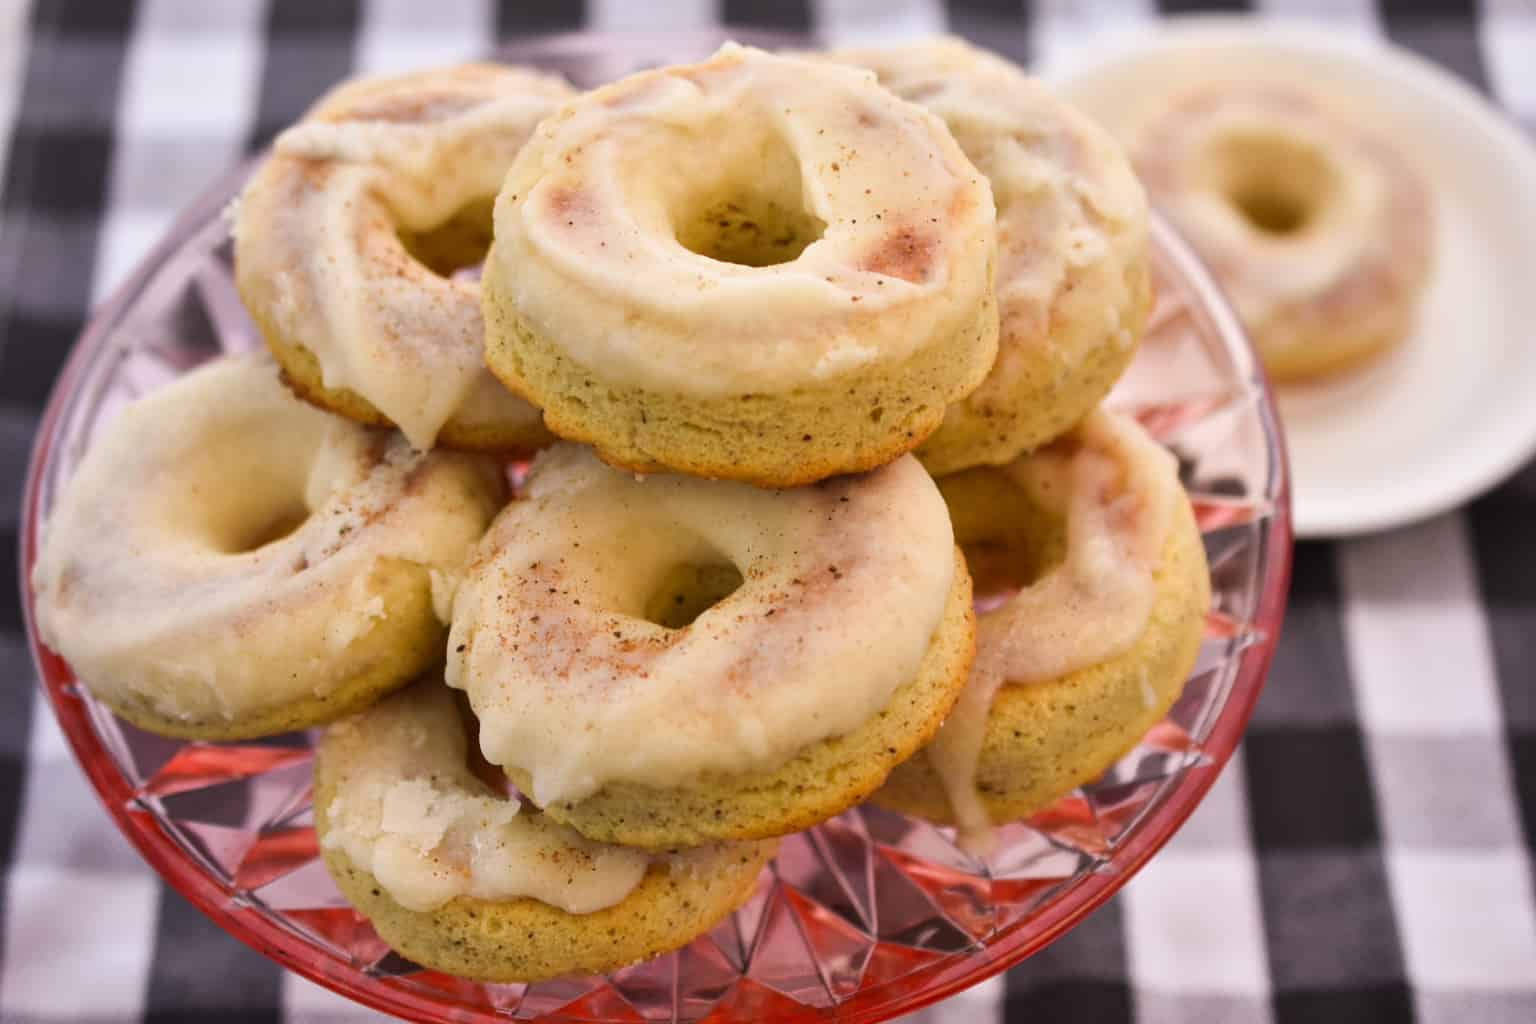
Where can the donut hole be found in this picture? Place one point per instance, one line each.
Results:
(266, 527)
(750, 230)
(747, 207)
(1276, 183)
(689, 589)
(1270, 211)
(1009, 537)
(458, 244)
(244, 491)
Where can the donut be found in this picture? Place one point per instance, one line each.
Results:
(348, 237)
(1074, 668)
(1073, 280)
(1318, 229)
(459, 878)
(757, 268)
(229, 562)
(674, 661)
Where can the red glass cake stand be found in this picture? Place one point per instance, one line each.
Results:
(867, 916)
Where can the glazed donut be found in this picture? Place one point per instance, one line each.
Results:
(1075, 667)
(672, 661)
(756, 268)
(229, 562)
(1073, 282)
(455, 876)
(1320, 232)
(347, 237)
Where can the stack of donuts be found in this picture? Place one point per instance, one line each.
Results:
(806, 353)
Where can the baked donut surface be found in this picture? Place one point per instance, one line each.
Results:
(1073, 283)
(1319, 230)
(756, 268)
(675, 661)
(460, 878)
(348, 236)
(230, 562)
(1074, 666)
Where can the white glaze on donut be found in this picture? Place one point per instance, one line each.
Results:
(587, 228)
(1117, 488)
(143, 579)
(407, 810)
(845, 583)
(1065, 194)
(318, 231)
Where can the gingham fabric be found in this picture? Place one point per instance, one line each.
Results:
(1366, 856)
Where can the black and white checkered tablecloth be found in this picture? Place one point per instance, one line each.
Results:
(1367, 856)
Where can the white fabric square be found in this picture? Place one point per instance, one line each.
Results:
(1465, 918)
(1443, 792)
(983, 1001)
(304, 1002)
(126, 235)
(1193, 925)
(876, 22)
(13, 51)
(1339, 14)
(1481, 1007)
(1221, 820)
(79, 944)
(1065, 29)
(197, 86)
(45, 741)
(403, 35)
(64, 826)
(187, 83)
(1507, 31)
(670, 15)
(1414, 632)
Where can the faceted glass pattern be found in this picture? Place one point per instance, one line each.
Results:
(871, 914)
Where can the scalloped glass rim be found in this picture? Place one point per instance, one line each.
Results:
(1263, 515)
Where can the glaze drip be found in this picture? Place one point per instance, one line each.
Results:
(407, 809)
(1117, 489)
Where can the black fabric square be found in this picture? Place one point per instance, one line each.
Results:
(1016, 9)
(1381, 1004)
(10, 593)
(1505, 548)
(521, 17)
(1202, 6)
(309, 49)
(1080, 976)
(996, 25)
(1308, 682)
(296, 75)
(1310, 788)
(32, 353)
(1329, 922)
(1094, 950)
(1438, 31)
(1068, 1001)
(1408, 12)
(224, 982)
(84, 17)
(13, 781)
(314, 17)
(58, 172)
(1522, 763)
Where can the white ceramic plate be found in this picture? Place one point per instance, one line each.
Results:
(1452, 411)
